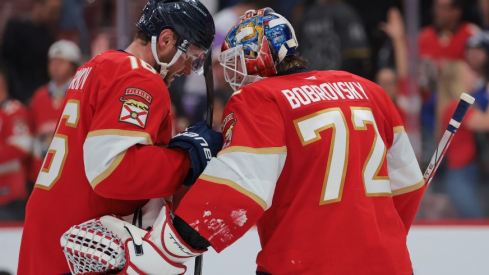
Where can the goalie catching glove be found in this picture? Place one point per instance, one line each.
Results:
(202, 144)
(111, 244)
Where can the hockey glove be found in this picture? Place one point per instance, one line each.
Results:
(110, 244)
(202, 144)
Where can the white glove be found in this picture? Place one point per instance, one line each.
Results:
(160, 251)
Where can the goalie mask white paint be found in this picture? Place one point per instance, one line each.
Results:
(235, 72)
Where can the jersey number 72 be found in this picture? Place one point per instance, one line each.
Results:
(308, 129)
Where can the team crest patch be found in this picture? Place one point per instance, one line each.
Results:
(227, 129)
(134, 112)
(140, 93)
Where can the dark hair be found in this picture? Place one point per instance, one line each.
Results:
(291, 61)
(142, 36)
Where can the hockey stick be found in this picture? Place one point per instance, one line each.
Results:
(457, 117)
(209, 86)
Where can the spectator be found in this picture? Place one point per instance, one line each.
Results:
(394, 81)
(461, 174)
(333, 37)
(47, 101)
(388, 79)
(454, 78)
(71, 18)
(445, 39)
(15, 146)
(477, 57)
(461, 179)
(483, 9)
(25, 46)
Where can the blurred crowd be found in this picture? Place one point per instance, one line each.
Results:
(42, 42)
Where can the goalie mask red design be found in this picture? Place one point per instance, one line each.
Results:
(250, 46)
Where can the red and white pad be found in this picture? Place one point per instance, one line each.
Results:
(90, 248)
(165, 237)
(111, 244)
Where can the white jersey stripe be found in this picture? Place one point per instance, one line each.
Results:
(104, 150)
(404, 172)
(255, 173)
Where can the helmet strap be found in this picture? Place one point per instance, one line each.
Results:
(164, 66)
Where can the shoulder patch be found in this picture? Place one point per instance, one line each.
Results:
(227, 129)
(134, 112)
(139, 92)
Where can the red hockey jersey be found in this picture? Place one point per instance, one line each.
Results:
(452, 48)
(106, 157)
(321, 163)
(15, 147)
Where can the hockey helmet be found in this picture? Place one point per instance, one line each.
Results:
(255, 45)
(189, 19)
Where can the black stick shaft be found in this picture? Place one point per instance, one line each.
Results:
(209, 86)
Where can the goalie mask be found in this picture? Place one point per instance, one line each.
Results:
(189, 19)
(255, 45)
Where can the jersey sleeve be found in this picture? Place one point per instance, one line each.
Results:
(238, 186)
(405, 175)
(122, 157)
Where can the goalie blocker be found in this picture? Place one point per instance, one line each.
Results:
(110, 244)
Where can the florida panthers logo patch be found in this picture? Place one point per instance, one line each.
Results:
(134, 112)
(227, 129)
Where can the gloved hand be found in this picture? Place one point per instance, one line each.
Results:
(122, 246)
(202, 144)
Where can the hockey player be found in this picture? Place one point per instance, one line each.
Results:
(47, 102)
(108, 154)
(318, 160)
